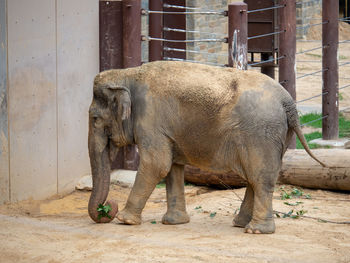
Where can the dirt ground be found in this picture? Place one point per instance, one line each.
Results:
(60, 230)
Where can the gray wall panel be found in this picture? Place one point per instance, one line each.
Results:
(4, 149)
(77, 57)
(32, 98)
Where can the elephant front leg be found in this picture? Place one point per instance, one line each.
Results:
(147, 177)
(176, 213)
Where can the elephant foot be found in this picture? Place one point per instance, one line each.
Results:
(128, 218)
(175, 217)
(241, 220)
(266, 227)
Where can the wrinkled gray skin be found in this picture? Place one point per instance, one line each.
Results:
(181, 113)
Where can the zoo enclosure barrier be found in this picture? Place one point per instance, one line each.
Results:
(120, 45)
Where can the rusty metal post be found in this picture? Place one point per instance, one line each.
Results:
(111, 31)
(155, 50)
(111, 47)
(131, 58)
(178, 22)
(131, 33)
(330, 38)
(238, 39)
(287, 49)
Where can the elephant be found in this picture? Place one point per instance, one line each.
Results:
(179, 113)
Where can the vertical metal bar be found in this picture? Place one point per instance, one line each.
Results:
(238, 22)
(111, 30)
(330, 37)
(174, 21)
(155, 30)
(287, 48)
(111, 47)
(131, 58)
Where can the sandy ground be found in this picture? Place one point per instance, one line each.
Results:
(59, 230)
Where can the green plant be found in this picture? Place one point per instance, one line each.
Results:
(343, 57)
(160, 185)
(103, 211)
(340, 96)
(213, 214)
(310, 137)
(314, 55)
(344, 128)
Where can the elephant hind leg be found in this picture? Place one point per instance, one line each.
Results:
(176, 212)
(262, 221)
(246, 210)
(261, 169)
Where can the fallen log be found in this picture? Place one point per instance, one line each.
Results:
(298, 169)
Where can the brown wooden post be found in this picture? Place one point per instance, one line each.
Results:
(155, 30)
(330, 101)
(111, 47)
(131, 58)
(177, 22)
(238, 22)
(287, 49)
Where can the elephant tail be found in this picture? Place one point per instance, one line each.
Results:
(293, 122)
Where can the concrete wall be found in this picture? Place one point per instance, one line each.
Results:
(52, 50)
(4, 147)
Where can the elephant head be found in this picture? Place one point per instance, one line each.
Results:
(110, 127)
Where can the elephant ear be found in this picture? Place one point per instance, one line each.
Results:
(121, 101)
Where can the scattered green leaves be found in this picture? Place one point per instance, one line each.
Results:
(212, 214)
(153, 222)
(103, 211)
(294, 193)
(307, 196)
(285, 195)
(198, 207)
(293, 204)
(292, 214)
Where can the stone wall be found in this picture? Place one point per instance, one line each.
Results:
(307, 11)
(210, 27)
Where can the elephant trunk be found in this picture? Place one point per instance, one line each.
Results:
(100, 168)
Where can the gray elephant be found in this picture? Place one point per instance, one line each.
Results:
(178, 113)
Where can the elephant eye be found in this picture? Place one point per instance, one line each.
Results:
(98, 122)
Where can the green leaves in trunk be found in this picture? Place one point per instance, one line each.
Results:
(103, 211)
